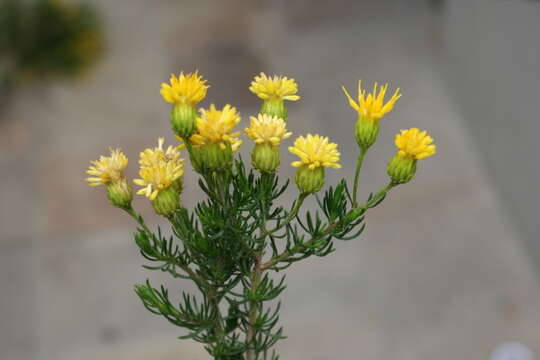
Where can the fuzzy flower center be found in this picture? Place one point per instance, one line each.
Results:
(315, 151)
(266, 129)
(107, 169)
(277, 87)
(159, 169)
(415, 144)
(186, 89)
(215, 126)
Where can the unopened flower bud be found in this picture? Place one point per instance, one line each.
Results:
(167, 201)
(274, 107)
(212, 156)
(184, 120)
(119, 193)
(401, 169)
(366, 132)
(309, 181)
(265, 157)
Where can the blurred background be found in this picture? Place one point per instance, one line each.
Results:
(449, 266)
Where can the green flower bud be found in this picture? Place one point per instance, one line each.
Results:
(265, 157)
(183, 120)
(211, 157)
(309, 181)
(167, 201)
(366, 131)
(119, 193)
(274, 107)
(401, 169)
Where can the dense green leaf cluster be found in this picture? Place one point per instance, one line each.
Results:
(46, 37)
(230, 245)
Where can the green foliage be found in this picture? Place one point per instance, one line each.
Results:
(230, 245)
(46, 37)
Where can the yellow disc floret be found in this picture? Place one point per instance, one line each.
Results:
(372, 107)
(107, 169)
(186, 89)
(315, 151)
(159, 170)
(277, 87)
(151, 156)
(266, 129)
(415, 144)
(215, 126)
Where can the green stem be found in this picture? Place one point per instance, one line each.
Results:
(292, 214)
(253, 312)
(330, 227)
(201, 283)
(198, 280)
(357, 175)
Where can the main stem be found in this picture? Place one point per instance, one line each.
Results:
(253, 311)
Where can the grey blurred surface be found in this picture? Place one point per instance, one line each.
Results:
(441, 272)
(494, 47)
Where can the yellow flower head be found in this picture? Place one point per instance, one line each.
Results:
(215, 126)
(372, 106)
(159, 169)
(315, 151)
(278, 87)
(151, 156)
(266, 129)
(107, 169)
(415, 144)
(187, 89)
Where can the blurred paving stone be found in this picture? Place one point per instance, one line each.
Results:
(18, 299)
(148, 348)
(87, 299)
(20, 205)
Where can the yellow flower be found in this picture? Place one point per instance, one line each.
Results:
(266, 129)
(278, 87)
(107, 169)
(315, 151)
(415, 144)
(187, 89)
(372, 106)
(151, 156)
(215, 126)
(159, 170)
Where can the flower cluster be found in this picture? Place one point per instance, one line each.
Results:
(211, 141)
(239, 231)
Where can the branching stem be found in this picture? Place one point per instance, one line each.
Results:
(292, 214)
(329, 228)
